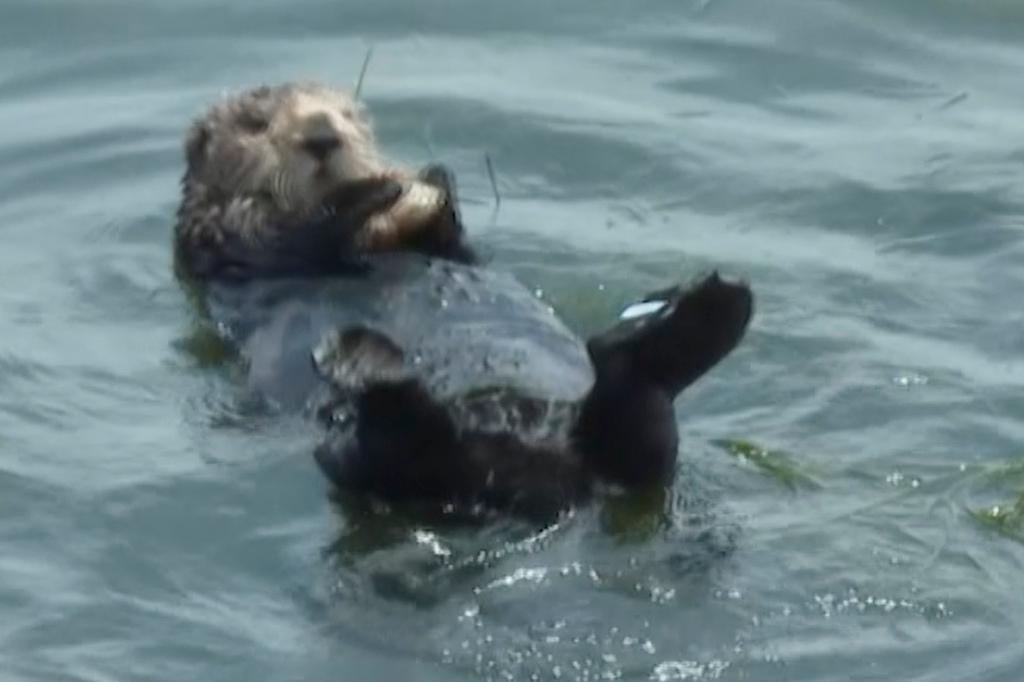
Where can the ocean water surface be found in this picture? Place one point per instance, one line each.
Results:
(860, 162)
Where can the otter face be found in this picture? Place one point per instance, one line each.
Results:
(292, 144)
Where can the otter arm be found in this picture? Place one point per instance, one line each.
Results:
(324, 245)
(425, 219)
(317, 248)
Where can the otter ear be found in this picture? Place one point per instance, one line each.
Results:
(195, 144)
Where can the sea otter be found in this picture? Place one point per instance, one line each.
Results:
(283, 179)
(442, 384)
(452, 389)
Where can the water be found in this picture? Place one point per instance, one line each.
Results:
(859, 162)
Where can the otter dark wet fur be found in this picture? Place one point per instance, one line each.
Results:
(448, 386)
(453, 389)
(399, 429)
(289, 180)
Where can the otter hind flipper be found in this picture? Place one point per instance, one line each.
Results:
(355, 357)
(673, 336)
(626, 427)
(390, 418)
(404, 446)
(401, 445)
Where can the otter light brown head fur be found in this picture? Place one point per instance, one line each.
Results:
(267, 160)
(293, 143)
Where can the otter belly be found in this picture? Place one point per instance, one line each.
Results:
(461, 327)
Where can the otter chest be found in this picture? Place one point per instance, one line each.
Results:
(464, 328)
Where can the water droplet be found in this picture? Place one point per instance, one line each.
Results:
(910, 379)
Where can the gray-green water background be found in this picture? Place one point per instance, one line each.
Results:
(859, 161)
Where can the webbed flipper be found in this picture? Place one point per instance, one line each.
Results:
(398, 441)
(626, 427)
(355, 357)
(673, 336)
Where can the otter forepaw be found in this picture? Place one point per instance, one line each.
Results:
(444, 235)
(357, 200)
(441, 177)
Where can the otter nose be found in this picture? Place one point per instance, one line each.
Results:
(321, 145)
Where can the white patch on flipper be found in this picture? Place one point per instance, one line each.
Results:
(642, 309)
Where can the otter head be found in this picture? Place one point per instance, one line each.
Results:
(292, 144)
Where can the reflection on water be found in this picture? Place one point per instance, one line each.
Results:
(859, 162)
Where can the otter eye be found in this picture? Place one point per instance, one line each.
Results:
(252, 122)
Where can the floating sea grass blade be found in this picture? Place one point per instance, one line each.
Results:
(362, 73)
(1008, 474)
(494, 181)
(773, 463)
(205, 347)
(635, 517)
(1006, 520)
(494, 187)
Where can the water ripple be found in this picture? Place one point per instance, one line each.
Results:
(858, 162)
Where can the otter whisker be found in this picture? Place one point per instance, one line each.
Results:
(242, 172)
(282, 188)
(235, 176)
